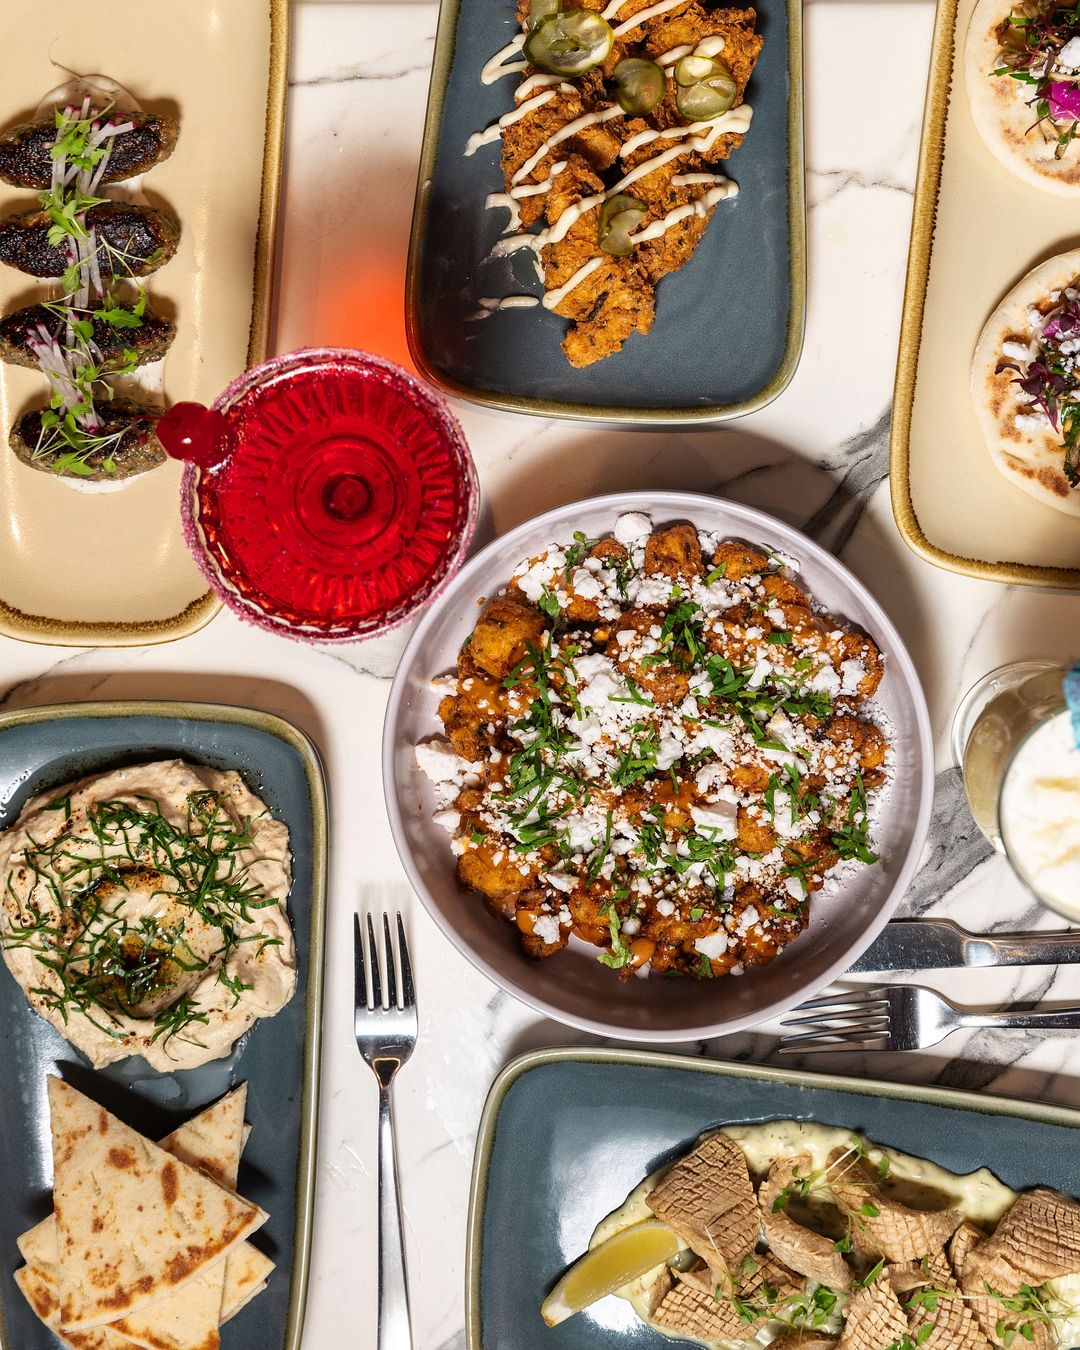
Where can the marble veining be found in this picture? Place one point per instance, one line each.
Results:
(817, 457)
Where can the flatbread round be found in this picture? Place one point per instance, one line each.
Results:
(1000, 110)
(1031, 459)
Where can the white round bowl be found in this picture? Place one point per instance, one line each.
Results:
(572, 986)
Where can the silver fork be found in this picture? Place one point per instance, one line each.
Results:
(385, 1038)
(900, 1017)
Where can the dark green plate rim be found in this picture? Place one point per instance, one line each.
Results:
(983, 1103)
(309, 1104)
(445, 40)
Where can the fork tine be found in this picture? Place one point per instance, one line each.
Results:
(843, 1034)
(867, 1013)
(373, 953)
(391, 964)
(360, 993)
(408, 994)
(810, 1047)
(856, 996)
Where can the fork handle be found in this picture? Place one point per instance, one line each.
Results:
(1061, 1019)
(394, 1332)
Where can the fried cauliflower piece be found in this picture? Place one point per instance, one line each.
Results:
(675, 552)
(489, 869)
(502, 636)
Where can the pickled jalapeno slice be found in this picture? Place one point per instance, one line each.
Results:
(639, 84)
(704, 88)
(619, 217)
(570, 42)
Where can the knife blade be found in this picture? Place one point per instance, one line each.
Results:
(940, 944)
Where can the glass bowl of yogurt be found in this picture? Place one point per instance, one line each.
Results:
(1018, 748)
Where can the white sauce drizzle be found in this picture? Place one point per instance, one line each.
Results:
(700, 206)
(554, 233)
(496, 199)
(648, 13)
(710, 46)
(533, 189)
(538, 82)
(490, 305)
(674, 54)
(692, 179)
(736, 121)
(495, 69)
(564, 133)
(495, 130)
(559, 294)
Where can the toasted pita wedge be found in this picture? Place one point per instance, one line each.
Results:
(41, 1295)
(133, 1223)
(188, 1319)
(192, 1142)
(1029, 452)
(1005, 119)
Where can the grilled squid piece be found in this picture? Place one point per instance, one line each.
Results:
(132, 240)
(25, 160)
(19, 330)
(129, 443)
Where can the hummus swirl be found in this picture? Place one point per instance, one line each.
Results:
(143, 912)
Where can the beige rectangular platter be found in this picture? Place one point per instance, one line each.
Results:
(110, 569)
(976, 230)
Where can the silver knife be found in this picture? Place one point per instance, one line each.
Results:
(938, 944)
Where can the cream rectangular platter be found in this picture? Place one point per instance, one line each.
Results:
(976, 230)
(112, 568)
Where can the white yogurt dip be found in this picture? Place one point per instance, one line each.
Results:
(1040, 814)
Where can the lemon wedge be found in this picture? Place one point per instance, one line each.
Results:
(603, 1269)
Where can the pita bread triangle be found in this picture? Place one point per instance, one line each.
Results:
(133, 1223)
(188, 1319)
(246, 1269)
(40, 1293)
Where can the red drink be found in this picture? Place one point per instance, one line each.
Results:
(327, 494)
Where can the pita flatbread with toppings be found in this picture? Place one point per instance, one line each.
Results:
(1022, 72)
(133, 1223)
(1025, 383)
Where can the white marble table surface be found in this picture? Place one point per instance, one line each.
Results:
(816, 457)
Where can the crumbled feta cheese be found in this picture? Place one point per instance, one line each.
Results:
(713, 946)
(1069, 56)
(1030, 422)
(447, 820)
(546, 928)
(720, 816)
(852, 674)
(665, 907)
(1016, 351)
(632, 528)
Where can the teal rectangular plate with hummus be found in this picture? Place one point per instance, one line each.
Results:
(729, 324)
(278, 1058)
(610, 1117)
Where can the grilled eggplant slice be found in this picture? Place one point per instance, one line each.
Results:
(135, 240)
(137, 450)
(150, 341)
(24, 149)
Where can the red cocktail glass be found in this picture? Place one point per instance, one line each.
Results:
(327, 494)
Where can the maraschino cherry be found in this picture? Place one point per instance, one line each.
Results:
(199, 435)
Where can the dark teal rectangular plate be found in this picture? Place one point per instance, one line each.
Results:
(729, 324)
(566, 1135)
(278, 1059)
